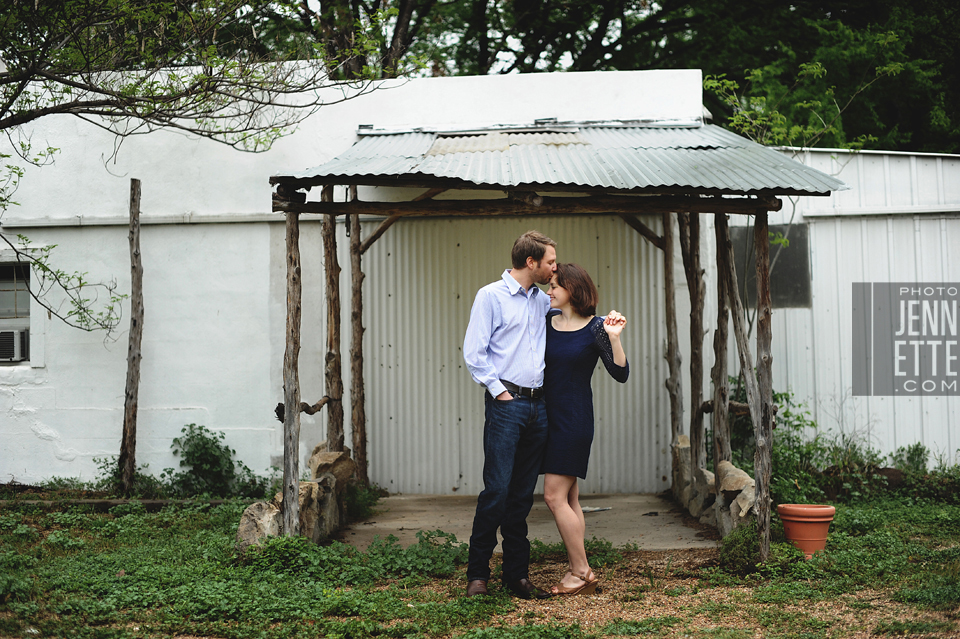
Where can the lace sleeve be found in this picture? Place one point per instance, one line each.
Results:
(600, 337)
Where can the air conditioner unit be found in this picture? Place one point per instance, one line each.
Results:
(14, 346)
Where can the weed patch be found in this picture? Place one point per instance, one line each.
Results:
(600, 552)
(528, 631)
(650, 626)
(897, 627)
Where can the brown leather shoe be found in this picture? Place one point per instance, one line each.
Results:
(525, 590)
(477, 587)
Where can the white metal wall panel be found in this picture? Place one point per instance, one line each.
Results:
(425, 414)
(900, 221)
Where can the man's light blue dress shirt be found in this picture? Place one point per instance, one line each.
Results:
(507, 335)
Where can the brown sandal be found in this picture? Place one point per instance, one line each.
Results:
(588, 587)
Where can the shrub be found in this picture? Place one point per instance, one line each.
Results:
(361, 499)
(911, 459)
(941, 484)
(808, 465)
(740, 551)
(110, 480)
(211, 467)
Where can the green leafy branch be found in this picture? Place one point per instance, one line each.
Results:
(82, 307)
(768, 113)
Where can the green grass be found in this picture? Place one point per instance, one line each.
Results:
(176, 572)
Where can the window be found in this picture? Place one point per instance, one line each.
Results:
(14, 312)
(790, 276)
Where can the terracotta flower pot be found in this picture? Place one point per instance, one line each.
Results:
(806, 525)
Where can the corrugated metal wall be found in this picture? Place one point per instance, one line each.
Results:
(425, 414)
(899, 222)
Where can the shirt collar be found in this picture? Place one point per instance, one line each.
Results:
(515, 287)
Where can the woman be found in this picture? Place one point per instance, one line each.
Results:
(575, 340)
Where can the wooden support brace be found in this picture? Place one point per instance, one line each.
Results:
(309, 409)
(737, 408)
(643, 230)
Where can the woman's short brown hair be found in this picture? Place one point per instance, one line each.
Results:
(531, 244)
(583, 293)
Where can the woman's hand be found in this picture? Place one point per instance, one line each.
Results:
(613, 324)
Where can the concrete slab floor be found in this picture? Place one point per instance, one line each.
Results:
(650, 522)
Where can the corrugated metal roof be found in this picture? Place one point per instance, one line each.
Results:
(704, 158)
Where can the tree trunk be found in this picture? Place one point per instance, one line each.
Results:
(291, 384)
(718, 374)
(357, 394)
(764, 428)
(674, 383)
(690, 248)
(333, 377)
(128, 445)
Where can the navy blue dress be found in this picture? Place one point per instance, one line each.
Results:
(571, 358)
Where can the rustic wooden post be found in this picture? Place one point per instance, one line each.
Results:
(358, 416)
(764, 428)
(718, 374)
(291, 384)
(128, 444)
(690, 249)
(739, 330)
(750, 378)
(333, 377)
(674, 383)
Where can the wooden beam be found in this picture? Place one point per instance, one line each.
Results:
(291, 384)
(763, 430)
(592, 205)
(643, 230)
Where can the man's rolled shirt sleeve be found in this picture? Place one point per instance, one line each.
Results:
(476, 343)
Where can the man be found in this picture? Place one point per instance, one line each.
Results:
(503, 350)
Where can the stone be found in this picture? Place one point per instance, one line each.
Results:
(703, 493)
(745, 501)
(736, 497)
(732, 480)
(337, 463)
(259, 520)
(319, 514)
(319, 507)
(709, 517)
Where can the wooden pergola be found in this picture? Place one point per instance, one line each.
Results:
(686, 204)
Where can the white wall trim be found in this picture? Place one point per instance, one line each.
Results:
(907, 210)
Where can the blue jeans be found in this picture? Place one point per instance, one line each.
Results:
(514, 440)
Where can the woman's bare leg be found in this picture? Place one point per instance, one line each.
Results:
(562, 496)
